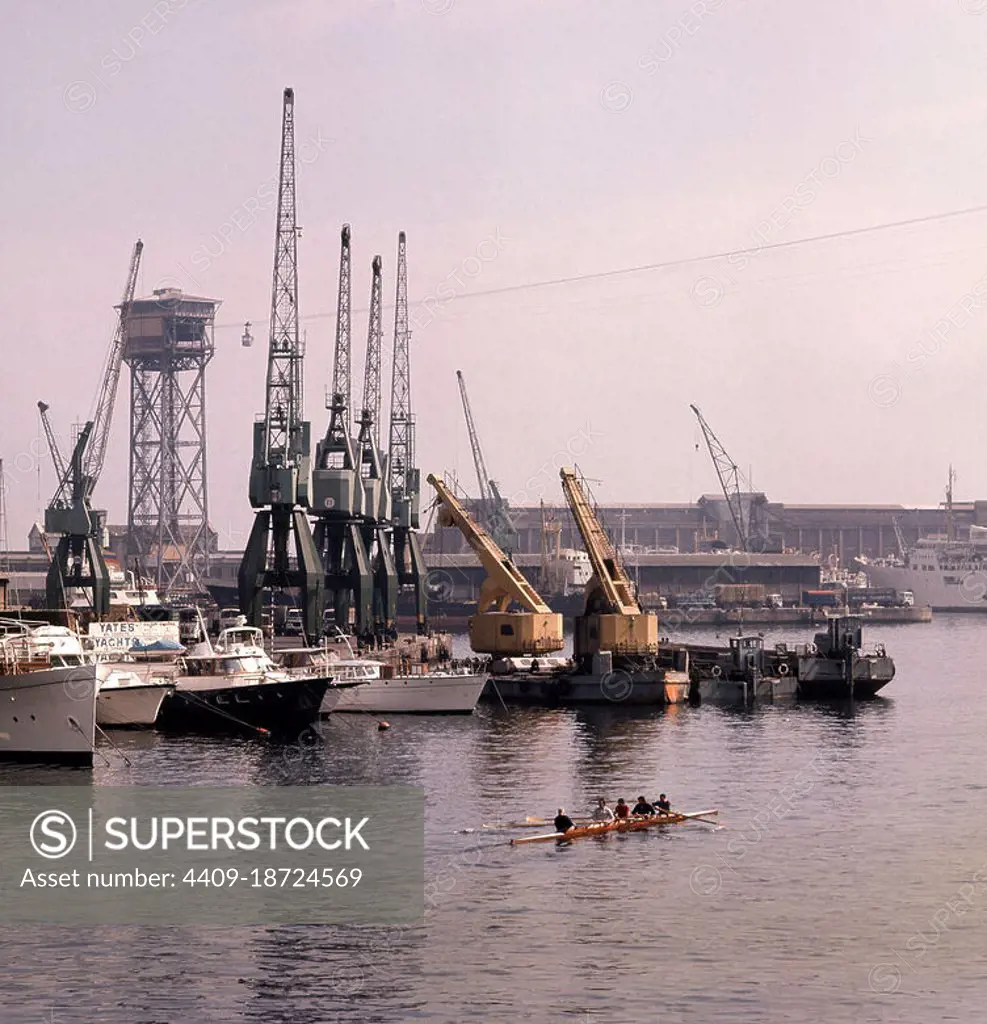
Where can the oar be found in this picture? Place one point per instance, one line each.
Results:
(695, 817)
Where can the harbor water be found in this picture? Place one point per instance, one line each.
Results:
(843, 888)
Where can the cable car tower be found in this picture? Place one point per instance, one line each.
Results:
(280, 473)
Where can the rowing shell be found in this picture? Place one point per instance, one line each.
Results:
(619, 825)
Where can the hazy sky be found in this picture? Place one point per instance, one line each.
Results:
(519, 143)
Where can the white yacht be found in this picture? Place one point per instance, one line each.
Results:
(383, 687)
(132, 689)
(47, 694)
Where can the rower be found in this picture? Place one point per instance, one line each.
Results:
(622, 810)
(601, 812)
(642, 807)
(662, 806)
(563, 822)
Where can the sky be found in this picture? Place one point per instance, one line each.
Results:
(519, 144)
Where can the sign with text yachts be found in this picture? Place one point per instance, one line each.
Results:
(122, 636)
(224, 857)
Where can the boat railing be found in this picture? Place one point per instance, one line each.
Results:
(18, 653)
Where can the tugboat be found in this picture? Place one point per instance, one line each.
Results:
(743, 673)
(836, 668)
(746, 671)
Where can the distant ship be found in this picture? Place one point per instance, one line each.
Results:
(947, 575)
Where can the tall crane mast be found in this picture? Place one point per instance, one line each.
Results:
(371, 372)
(492, 505)
(401, 453)
(337, 489)
(78, 558)
(376, 495)
(404, 478)
(110, 378)
(280, 471)
(342, 391)
(729, 477)
(613, 620)
(496, 629)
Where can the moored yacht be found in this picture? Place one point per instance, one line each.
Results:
(47, 695)
(392, 685)
(233, 686)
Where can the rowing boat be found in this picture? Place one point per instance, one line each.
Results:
(618, 825)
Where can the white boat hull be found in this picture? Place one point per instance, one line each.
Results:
(49, 715)
(967, 591)
(435, 693)
(130, 707)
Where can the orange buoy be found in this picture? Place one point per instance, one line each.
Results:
(383, 726)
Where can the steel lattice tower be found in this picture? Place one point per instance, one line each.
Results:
(168, 343)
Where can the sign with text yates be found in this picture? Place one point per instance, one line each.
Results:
(121, 636)
(199, 856)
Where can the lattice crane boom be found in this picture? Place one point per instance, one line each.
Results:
(283, 410)
(402, 435)
(342, 362)
(618, 591)
(95, 455)
(729, 477)
(482, 477)
(371, 374)
(62, 491)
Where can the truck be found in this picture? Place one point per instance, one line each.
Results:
(739, 595)
(822, 598)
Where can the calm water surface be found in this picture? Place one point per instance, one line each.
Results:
(835, 894)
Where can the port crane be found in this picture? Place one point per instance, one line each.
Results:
(404, 478)
(612, 620)
(493, 508)
(376, 494)
(496, 628)
(280, 472)
(78, 560)
(749, 533)
(337, 488)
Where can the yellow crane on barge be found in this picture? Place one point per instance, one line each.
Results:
(512, 619)
(612, 620)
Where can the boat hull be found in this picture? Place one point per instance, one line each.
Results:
(736, 691)
(966, 593)
(573, 688)
(825, 678)
(431, 694)
(130, 707)
(49, 716)
(280, 706)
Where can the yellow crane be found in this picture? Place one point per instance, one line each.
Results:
(612, 620)
(495, 629)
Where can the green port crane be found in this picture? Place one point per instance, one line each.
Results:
(280, 472)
